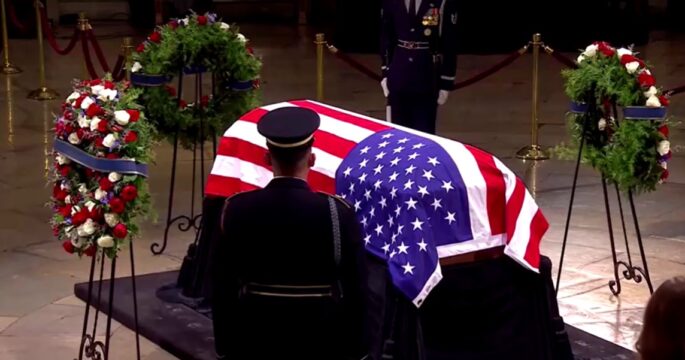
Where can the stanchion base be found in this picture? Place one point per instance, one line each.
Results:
(532, 152)
(43, 94)
(9, 69)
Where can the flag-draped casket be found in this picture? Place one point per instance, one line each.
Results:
(418, 197)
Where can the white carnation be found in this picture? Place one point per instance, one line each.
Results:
(87, 102)
(651, 92)
(242, 38)
(67, 200)
(632, 67)
(108, 94)
(122, 117)
(90, 205)
(73, 138)
(136, 67)
(94, 123)
(109, 140)
(664, 147)
(623, 51)
(65, 186)
(75, 95)
(83, 189)
(61, 159)
(580, 58)
(111, 219)
(88, 228)
(100, 194)
(75, 209)
(591, 50)
(83, 121)
(224, 26)
(653, 101)
(105, 241)
(96, 89)
(602, 124)
(114, 177)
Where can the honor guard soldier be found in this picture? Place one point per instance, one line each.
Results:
(289, 271)
(419, 59)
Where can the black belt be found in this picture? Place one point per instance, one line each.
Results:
(289, 291)
(413, 45)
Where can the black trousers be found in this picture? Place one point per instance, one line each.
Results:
(417, 111)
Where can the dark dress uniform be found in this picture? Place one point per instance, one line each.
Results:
(418, 52)
(282, 287)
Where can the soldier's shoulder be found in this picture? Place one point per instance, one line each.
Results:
(337, 198)
(238, 197)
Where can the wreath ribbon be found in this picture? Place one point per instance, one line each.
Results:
(122, 166)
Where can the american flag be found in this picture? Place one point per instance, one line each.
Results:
(418, 197)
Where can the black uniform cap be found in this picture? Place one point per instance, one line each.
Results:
(289, 127)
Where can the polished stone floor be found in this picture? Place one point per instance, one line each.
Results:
(39, 316)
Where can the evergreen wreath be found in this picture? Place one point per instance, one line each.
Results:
(197, 43)
(94, 208)
(634, 153)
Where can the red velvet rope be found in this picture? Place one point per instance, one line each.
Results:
(47, 31)
(563, 59)
(497, 67)
(13, 16)
(358, 66)
(676, 90)
(119, 72)
(86, 56)
(98, 51)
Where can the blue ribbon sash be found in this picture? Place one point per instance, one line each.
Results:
(122, 166)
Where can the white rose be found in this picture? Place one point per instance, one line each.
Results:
(109, 140)
(580, 58)
(83, 121)
(653, 101)
(114, 177)
(664, 147)
(106, 241)
(75, 95)
(591, 50)
(88, 228)
(108, 94)
(224, 26)
(122, 117)
(73, 138)
(83, 189)
(100, 194)
(651, 92)
(94, 123)
(96, 89)
(61, 159)
(90, 205)
(67, 200)
(632, 67)
(623, 51)
(602, 124)
(111, 219)
(184, 21)
(136, 67)
(87, 102)
(242, 38)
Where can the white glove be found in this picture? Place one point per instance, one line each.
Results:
(442, 97)
(384, 85)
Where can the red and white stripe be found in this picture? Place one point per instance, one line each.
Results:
(501, 210)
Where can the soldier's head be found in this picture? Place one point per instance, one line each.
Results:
(289, 134)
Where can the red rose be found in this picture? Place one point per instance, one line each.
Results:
(68, 246)
(646, 80)
(105, 184)
(625, 59)
(116, 205)
(90, 251)
(250, 50)
(98, 141)
(171, 90)
(605, 48)
(120, 231)
(665, 174)
(129, 192)
(155, 37)
(80, 217)
(95, 82)
(78, 102)
(112, 156)
(664, 100)
(58, 193)
(140, 48)
(102, 126)
(134, 115)
(173, 24)
(130, 137)
(96, 214)
(109, 85)
(94, 110)
(663, 129)
(65, 210)
(69, 115)
(204, 101)
(182, 104)
(80, 133)
(202, 20)
(64, 170)
(69, 128)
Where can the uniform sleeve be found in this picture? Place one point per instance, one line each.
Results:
(448, 44)
(388, 37)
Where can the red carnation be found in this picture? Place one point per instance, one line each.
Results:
(130, 137)
(78, 102)
(663, 129)
(80, 133)
(95, 82)
(129, 193)
(665, 174)
(96, 214)
(90, 251)
(109, 85)
(173, 24)
(102, 126)
(646, 80)
(155, 37)
(68, 246)
(134, 115)
(98, 141)
(69, 115)
(663, 100)
(202, 20)
(120, 231)
(250, 50)
(182, 104)
(65, 210)
(171, 90)
(627, 58)
(105, 184)
(116, 205)
(69, 128)
(80, 217)
(605, 48)
(60, 195)
(64, 170)
(94, 110)
(140, 48)
(112, 156)
(204, 101)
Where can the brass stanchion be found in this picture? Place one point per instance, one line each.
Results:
(7, 67)
(127, 52)
(42, 93)
(320, 42)
(534, 151)
(532, 177)
(83, 25)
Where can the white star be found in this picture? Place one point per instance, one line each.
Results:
(351, 188)
(408, 184)
(365, 221)
(411, 204)
(413, 156)
(380, 155)
(423, 190)
(394, 237)
(379, 229)
(391, 221)
(393, 193)
(386, 248)
(363, 178)
(393, 253)
(403, 248)
(410, 170)
(417, 224)
(377, 184)
(398, 210)
(422, 246)
(367, 239)
(399, 229)
(383, 144)
(365, 150)
(433, 161)
(372, 213)
(447, 185)
(387, 136)
(428, 174)
(409, 268)
(367, 194)
(394, 176)
(363, 163)
(383, 203)
(395, 161)
(402, 141)
(378, 169)
(347, 171)
(418, 146)
(398, 149)
(450, 217)
(436, 204)
(357, 205)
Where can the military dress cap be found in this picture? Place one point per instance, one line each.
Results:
(289, 127)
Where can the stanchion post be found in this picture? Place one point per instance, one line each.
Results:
(534, 151)
(320, 43)
(83, 25)
(127, 51)
(7, 67)
(43, 92)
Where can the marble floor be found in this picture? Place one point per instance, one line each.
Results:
(39, 316)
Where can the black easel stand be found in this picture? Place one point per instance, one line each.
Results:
(631, 272)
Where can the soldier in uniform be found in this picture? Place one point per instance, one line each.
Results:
(290, 269)
(418, 52)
